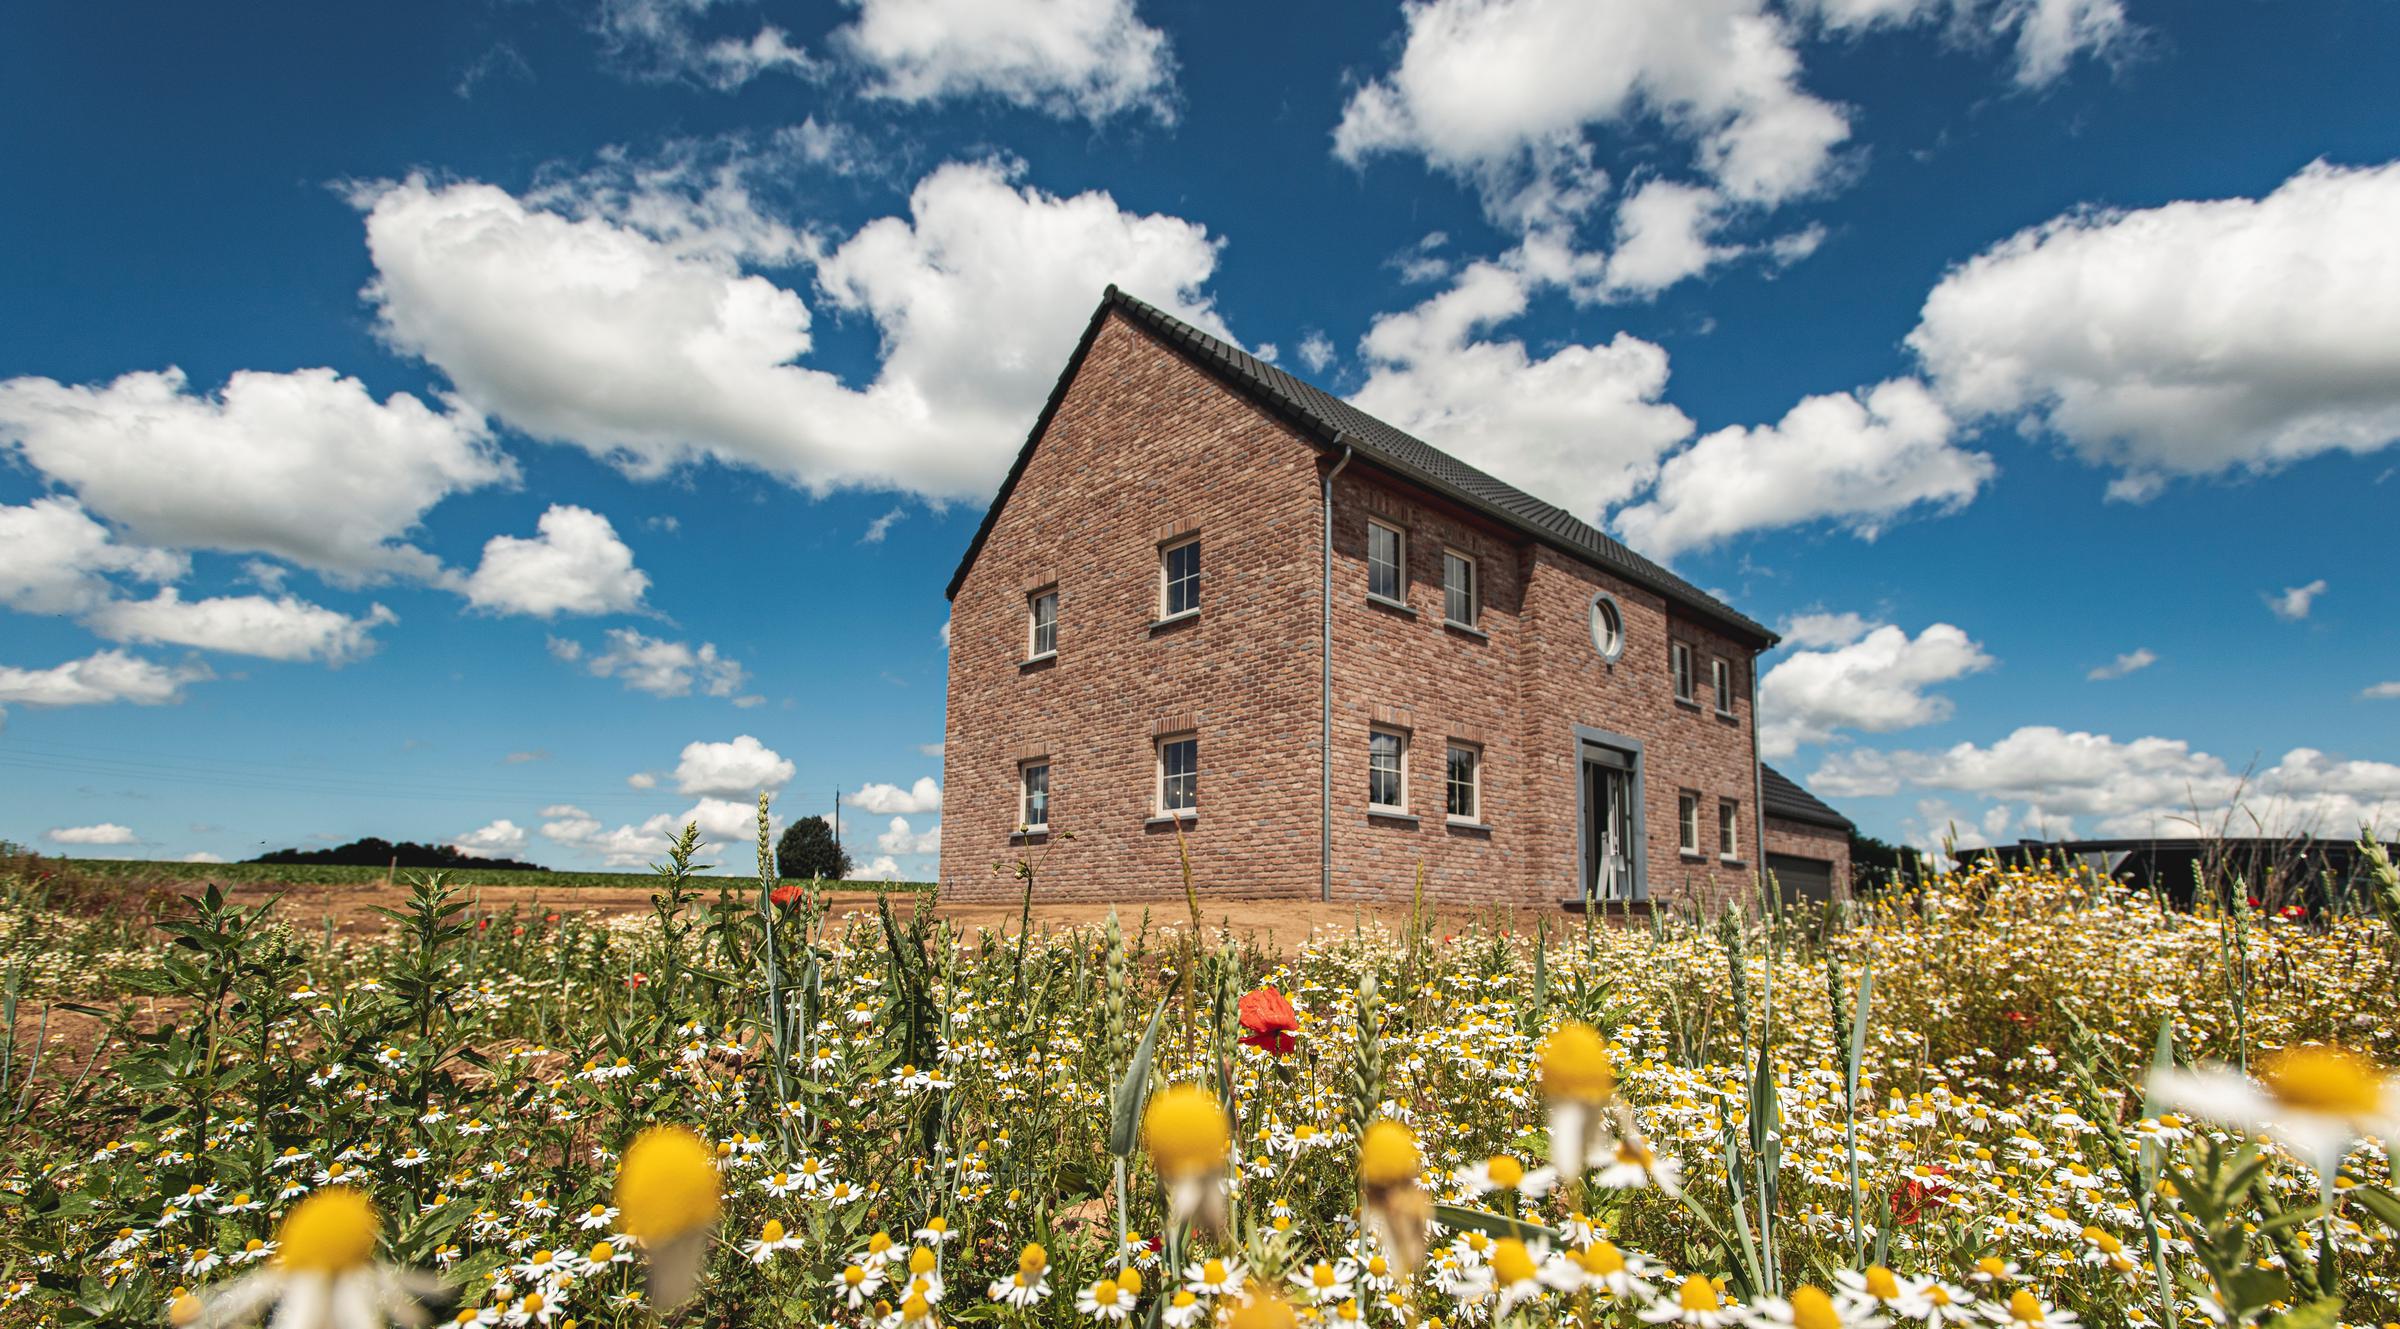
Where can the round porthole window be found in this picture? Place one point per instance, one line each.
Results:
(1608, 627)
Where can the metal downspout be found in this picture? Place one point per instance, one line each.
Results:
(1325, 695)
(1758, 797)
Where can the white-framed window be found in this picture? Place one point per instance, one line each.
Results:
(1460, 601)
(1687, 822)
(1387, 770)
(1179, 578)
(1178, 775)
(1608, 627)
(1041, 619)
(1462, 782)
(1387, 561)
(1720, 681)
(1729, 834)
(1033, 795)
(1679, 657)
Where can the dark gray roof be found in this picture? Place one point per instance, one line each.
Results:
(1788, 801)
(1334, 422)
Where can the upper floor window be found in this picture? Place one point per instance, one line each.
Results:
(1179, 579)
(1720, 671)
(1459, 592)
(1033, 805)
(1687, 822)
(1387, 561)
(1729, 835)
(1387, 769)
(1042, 616)
(1463, 779)
(1679, 657)
(1178, 775)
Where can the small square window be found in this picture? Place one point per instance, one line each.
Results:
(1687, 822)
(1720, 677)
(1033, 810)
(1387, 769)
(1179, 570)
(1178, 776)
(1679, 657)
(1459, 603)
(1729, 836)
(1387, 561)
(1042, 614)
(1463, 779)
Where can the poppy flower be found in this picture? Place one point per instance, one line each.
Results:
(1914, 1196)
(787, 895)
(1270, 1020)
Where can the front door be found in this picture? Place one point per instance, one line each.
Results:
(1607, 826)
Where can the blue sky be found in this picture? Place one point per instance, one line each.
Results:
(527, 425)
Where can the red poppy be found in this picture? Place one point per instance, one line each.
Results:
(1270, 1020)
(2292, 911)
(785, 895)
(1913, 1197)
(2016, 1017)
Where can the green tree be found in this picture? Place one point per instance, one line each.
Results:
(808, 849)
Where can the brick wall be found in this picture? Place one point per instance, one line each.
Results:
(1143, 448)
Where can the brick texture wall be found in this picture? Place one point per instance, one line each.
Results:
(1144, 448)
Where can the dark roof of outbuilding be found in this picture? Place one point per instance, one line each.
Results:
(1788, 801)
(1334, 422)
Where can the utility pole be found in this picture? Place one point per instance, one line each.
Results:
(837, 816)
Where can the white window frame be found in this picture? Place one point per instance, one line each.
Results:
(1159, 782)
(1400, 738)
(1025, 770)
(1729, 830)
(1474, 783)
(1474, 589)
(1399, 592)
(1687, 822)
(1610, 644)
(1720, 677)
(1033, 623)
(1166, 581)
(1679, 664)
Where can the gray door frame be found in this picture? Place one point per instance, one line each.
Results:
(1637, 856)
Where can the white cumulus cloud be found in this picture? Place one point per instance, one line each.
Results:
(2295, 602)
(2191, 339)
(306, 466)
(107, 832)
(575, 565)
(1091, 58)
(2045, 35)
(2130, 662)
(284, 628)
(99, 678)
(1875, 683)
(499, 839)
(657, 666)
(54, 559)
(891, 800)
(743, 766)
(897, 838)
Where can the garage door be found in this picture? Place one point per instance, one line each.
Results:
(1802, 878)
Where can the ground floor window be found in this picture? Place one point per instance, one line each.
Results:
(1033, 804)
(1387, 770)
(1729, 835)
(1178, 775)
(1463, 782)
(1687, 822)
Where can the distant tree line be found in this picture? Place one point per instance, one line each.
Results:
(374, 853)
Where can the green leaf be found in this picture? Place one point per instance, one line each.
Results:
(1496, 1225)
(1125, 1111)
(2325, 1314)
(2384, 1204)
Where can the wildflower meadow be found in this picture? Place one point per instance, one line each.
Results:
(2023, 1098)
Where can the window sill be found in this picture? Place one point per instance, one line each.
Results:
(1172, 619)
(1185, 818)
(1392, 815)
(1034, 662)
(1690, 856)
(1466, 629)
(1725, 862)
(1030, 835)
(1390, 605)
(1688, 704)
(1729, 717)
(1467, 825)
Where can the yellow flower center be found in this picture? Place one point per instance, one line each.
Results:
(2325, 1080)
(854, 1275)
(602, 1253)
(1186, 1131)
(2024, 1307)
(1213, 1273)
(920, 1261)
(1881, 1284)
(533, 1303)
(1321, 1274)
(1130, 1279)
(1263, 1310)
(1603, 1258)
(1105, 1292)
(1033, 1260)
(1698, 1294)
(1575, 1065)
(1184, 1298)
(916, 1307)
(330, 1232)
(1387, 1156)
(1506, 1172)
(772, 1232)
(1812, 1309)
(1992, 1266)
(667, 1184)
(1511, 1261)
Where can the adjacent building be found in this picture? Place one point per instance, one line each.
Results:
(1218, 615)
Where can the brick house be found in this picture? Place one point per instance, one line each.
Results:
(1202, 575)
(1808, 843)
